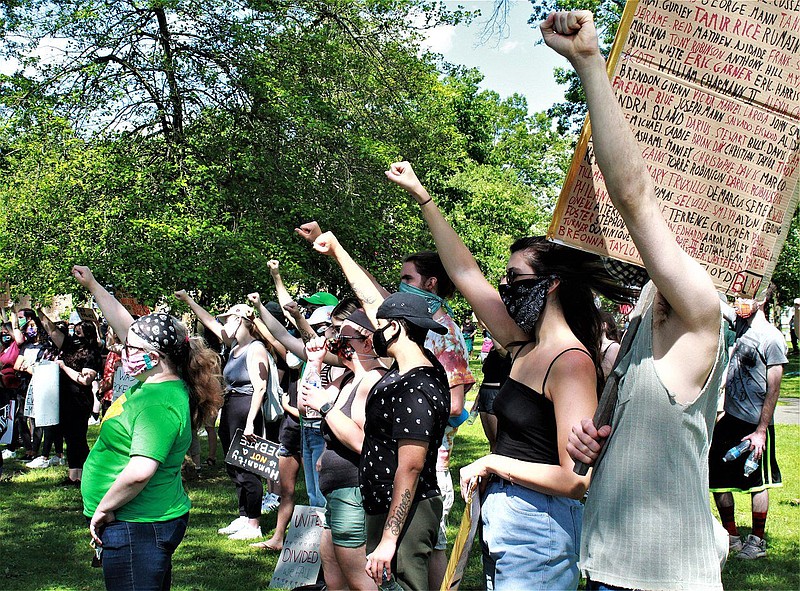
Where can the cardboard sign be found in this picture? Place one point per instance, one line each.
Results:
(28, 410)
(463, 542)
(299, 561)
(7, 422)
(259, 457)
(131, 304)
(711, 91)
(87, 315)
(122, 383)
(46, 401)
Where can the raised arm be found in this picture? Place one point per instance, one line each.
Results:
(203, 316)
(115, 313)
(360, 282)
(277, 329)
(461, 266)
(274, 272)
(680, 279)
(310, 231)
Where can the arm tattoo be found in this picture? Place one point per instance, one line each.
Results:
(365, 299)
(306, 336)
(398, 518)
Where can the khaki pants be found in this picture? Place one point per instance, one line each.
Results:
(415, 545)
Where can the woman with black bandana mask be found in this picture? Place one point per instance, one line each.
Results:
(546, 317)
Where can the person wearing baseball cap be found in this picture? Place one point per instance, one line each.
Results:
(406, 415)
(321, 298)
(245, 375)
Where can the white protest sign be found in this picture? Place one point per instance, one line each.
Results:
(7, 422)
(299, 561)
(122, 382)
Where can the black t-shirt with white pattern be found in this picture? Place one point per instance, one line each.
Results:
(414, 405)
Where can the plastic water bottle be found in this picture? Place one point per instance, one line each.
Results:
(312, 378)
(735, 452)
(750, 464)
(389, 583)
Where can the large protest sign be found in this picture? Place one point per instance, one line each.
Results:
(711, 89)
(259, 457)
(463, 542)
(299, 561)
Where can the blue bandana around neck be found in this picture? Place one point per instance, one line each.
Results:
(434, 301)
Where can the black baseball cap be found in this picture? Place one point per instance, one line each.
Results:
(411, 308)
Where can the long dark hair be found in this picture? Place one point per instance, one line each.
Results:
(80, 353)
(580, 273)
(200, 367)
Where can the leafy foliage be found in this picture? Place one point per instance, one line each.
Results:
(188, 161)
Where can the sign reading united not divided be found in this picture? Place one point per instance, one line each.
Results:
(711, 90)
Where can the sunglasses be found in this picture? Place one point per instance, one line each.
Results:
(511, 276)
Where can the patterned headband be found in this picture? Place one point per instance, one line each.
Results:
(158, 330)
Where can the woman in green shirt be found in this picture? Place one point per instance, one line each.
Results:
(132, 489)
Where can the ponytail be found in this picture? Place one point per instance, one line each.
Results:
(200, 368)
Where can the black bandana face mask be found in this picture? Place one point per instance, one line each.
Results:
(525, 300)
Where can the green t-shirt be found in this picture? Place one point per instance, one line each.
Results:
(150, 420)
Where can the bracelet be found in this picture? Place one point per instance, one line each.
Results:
(426, 202)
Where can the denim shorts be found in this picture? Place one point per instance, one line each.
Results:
(531, 540)
(138, 556)
(344, 514)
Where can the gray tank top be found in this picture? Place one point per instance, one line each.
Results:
(237, 378)
(648, 522)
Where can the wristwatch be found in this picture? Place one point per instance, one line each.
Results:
(326, 408)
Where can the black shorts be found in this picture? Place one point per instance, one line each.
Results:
(486, 396)
(729, 476)
(290, 439)
(272, 431)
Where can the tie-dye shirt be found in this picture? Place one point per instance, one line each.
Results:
(451, 351)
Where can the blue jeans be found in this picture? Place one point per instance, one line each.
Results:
(138, 556)
(313, 446)
(530, 540)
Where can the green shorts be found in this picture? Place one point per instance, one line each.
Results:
(344, 515)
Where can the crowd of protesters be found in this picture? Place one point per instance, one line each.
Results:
(367, 393)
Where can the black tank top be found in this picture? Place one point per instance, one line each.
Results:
(526, 421)
(339, 463)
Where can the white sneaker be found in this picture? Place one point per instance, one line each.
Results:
(40, 462)
(93, 421)
(56, 461)
(9, 455)
(248, 532)
(270, 502)
(234, 526)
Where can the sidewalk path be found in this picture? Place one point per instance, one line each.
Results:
(787, 412)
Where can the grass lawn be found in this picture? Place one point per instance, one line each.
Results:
(44, 541)
(790, 384)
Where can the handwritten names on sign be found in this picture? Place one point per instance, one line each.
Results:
(711, 90)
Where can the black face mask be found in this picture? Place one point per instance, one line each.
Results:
(525, 300)
(379, 342)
